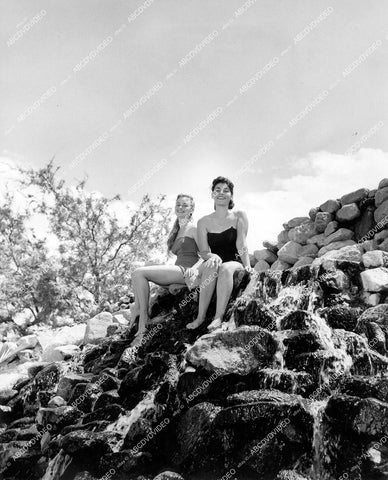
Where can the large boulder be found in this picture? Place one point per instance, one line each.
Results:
(295, 222)
(302, 233)
(330, 206)
(381, 212)
(348, 213)
(241, 351)
(375, 258)
(96, 328)
(265, 255)
(381, 196)
(290, 252)
(195, 437)
(355, 196)
(339, 236)
(375, 279)
(335, 246)
(322, 220)
(57, 353)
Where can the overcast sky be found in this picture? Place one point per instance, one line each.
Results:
(118, 77)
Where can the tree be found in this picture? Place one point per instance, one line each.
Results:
(28, 277)
(96, 252)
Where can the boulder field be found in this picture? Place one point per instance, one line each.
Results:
(294, 386)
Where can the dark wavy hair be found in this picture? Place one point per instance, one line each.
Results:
(175, 228)
(230, 184)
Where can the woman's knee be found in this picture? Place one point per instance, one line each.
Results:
(138, 273)
(225, 271)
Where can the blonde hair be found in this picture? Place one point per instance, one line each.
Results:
(175, 229)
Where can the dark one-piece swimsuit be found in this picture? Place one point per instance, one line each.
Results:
(224, 244)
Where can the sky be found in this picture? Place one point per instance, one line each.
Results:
(287, 98)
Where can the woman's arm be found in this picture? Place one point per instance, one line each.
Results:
(193, 232)
(204, 249)
(241, 242)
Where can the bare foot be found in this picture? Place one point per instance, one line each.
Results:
(216, 323)
(229, 326)
(195, 324)
(138, 339)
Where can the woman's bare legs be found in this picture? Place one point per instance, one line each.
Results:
(207, 286)
(163, 275)
(224, 290)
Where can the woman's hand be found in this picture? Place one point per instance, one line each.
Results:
(190, 272)
(249, 269)
(213, 261)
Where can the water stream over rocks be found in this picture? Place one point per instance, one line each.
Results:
(296, 391)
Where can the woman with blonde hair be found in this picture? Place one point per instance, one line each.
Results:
(182, 241)
(223, 247)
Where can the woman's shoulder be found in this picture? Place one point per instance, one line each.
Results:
(191, 230)
(205, 220)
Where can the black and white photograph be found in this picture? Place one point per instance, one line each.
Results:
(193, 240)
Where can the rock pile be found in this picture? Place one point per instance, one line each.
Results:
(295, 388)
(357, 218)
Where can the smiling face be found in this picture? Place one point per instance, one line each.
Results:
(183, 207)
(222, 194)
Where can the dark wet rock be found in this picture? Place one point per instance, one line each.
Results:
(287, 381)
(323, 362)
(94, 426)
(373, 323)
(58, 417)
(335, 281)
(296, 320)
(253, 312)
(22, 382)
(194, 385)
(93, 355)
(269, 455)
(265, 409)
(84, 395)
(7, 395)
(378, 314)
(22, 422)
(168, 475)
(290, 475)
(299, 342)
(196, 442)
(69, 381)
(106, 399)
(221, 350)
(108, 412)
(19, 457)
(111, 356)
(350, 342)
(43, 398)
(145, 377)
(342, 316)
(5, 414)
(84, 476)
(265, 430)
(127, 461)
(367, 416)
(107, 381)
(364, 387)
(85, 444)
(35, 368)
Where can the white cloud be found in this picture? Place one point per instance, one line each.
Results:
(318, 177)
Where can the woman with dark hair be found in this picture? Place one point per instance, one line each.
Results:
(182, 242)
(222, 244)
